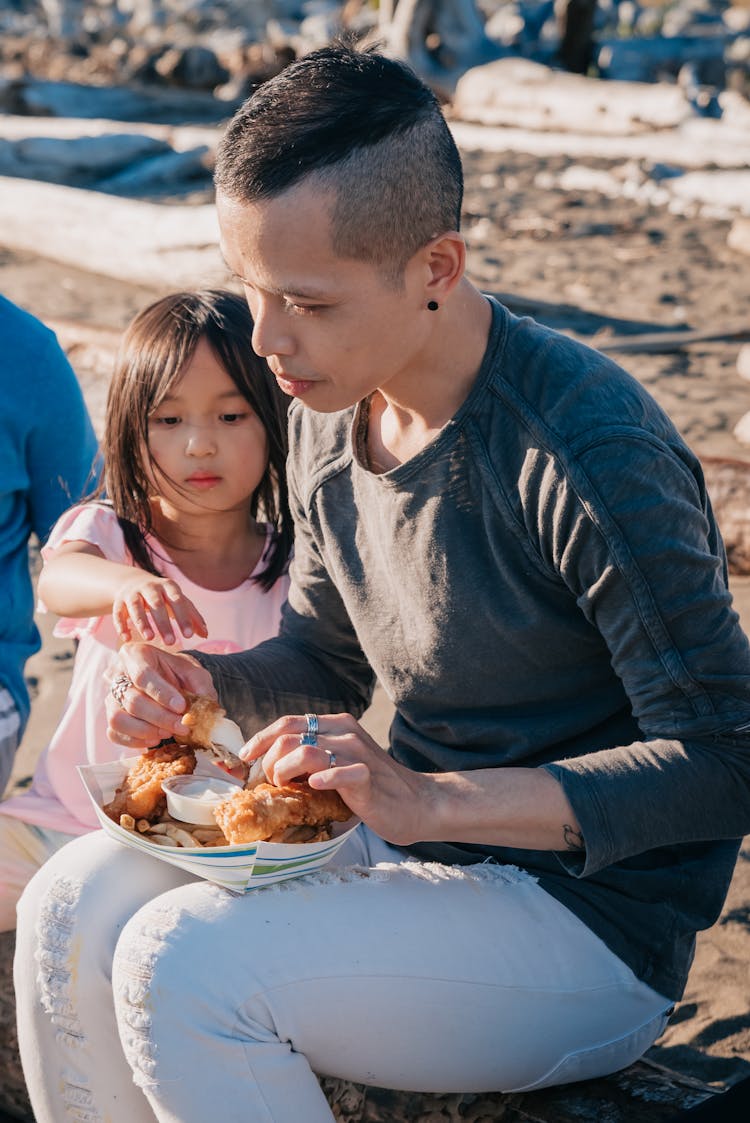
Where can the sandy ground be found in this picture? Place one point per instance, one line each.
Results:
(594, 266)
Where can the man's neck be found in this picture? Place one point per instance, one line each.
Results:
(406, 416)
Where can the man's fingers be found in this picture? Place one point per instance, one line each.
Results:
(165, 675)
(351, 781)
(293, 725)
(159, 680)
(149, 701)
(264, 738)
(124, 729)
(149, 710)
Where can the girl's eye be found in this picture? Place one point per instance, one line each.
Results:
(168, 422)
(232, 418)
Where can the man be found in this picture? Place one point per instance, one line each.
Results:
(47, 450)
(502, 526)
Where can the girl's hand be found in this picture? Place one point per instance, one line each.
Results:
(151, 687)
(148, 607)
(391, 799)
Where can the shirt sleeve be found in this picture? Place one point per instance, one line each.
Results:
(316, 663)
(62, 447)
(635, 540)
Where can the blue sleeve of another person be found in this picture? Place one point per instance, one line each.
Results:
(47, 450)
(61, 442)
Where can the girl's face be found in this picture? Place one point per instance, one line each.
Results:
(211, 449)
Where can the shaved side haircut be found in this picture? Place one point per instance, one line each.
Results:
(368, 132)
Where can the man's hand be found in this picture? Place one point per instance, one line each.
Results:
(146, 700)
(388, 797)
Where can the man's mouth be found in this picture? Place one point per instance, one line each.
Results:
(295, 387)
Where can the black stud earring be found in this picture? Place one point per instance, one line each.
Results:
(432, 305)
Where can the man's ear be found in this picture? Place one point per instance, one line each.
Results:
(444, 265)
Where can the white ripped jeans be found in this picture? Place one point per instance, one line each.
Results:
(143, 994)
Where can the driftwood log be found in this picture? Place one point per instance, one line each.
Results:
(655, 343)
(142, 243)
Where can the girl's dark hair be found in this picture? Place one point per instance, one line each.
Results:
(155, 349)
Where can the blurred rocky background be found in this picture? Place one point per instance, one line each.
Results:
(223, 47)
(493, 62)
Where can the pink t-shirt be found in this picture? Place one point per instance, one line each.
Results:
(236, 619)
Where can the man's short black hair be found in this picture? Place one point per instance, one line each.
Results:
(369, 132)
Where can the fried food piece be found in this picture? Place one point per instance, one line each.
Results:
(209, 729)
(201, 716)
(265, 811)
(302, 834)
(140, 794)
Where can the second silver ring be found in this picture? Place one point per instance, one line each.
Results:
(310, 736)
(313, 726)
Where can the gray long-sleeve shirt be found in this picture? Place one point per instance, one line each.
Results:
(542, 585)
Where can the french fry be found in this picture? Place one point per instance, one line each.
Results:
(164, 840)
(180, 835)
(207, 834)
(166, 831)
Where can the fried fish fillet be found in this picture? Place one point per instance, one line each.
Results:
(208, 728)
(140, 793)
(266, 811)
(201, 716)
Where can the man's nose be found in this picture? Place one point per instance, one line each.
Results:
(271, 334)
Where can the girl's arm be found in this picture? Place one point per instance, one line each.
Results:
(79, 581)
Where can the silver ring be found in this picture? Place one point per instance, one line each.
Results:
(331, 758)
(310, 737)
(312, 724)
(119, 689)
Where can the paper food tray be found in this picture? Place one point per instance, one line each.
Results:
(238, 867)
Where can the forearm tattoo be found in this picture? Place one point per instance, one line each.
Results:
(573, 838)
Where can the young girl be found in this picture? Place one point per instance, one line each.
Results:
(190, 549)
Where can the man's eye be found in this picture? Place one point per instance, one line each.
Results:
(301, 309)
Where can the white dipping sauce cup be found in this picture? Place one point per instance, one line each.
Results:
(192, 799)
